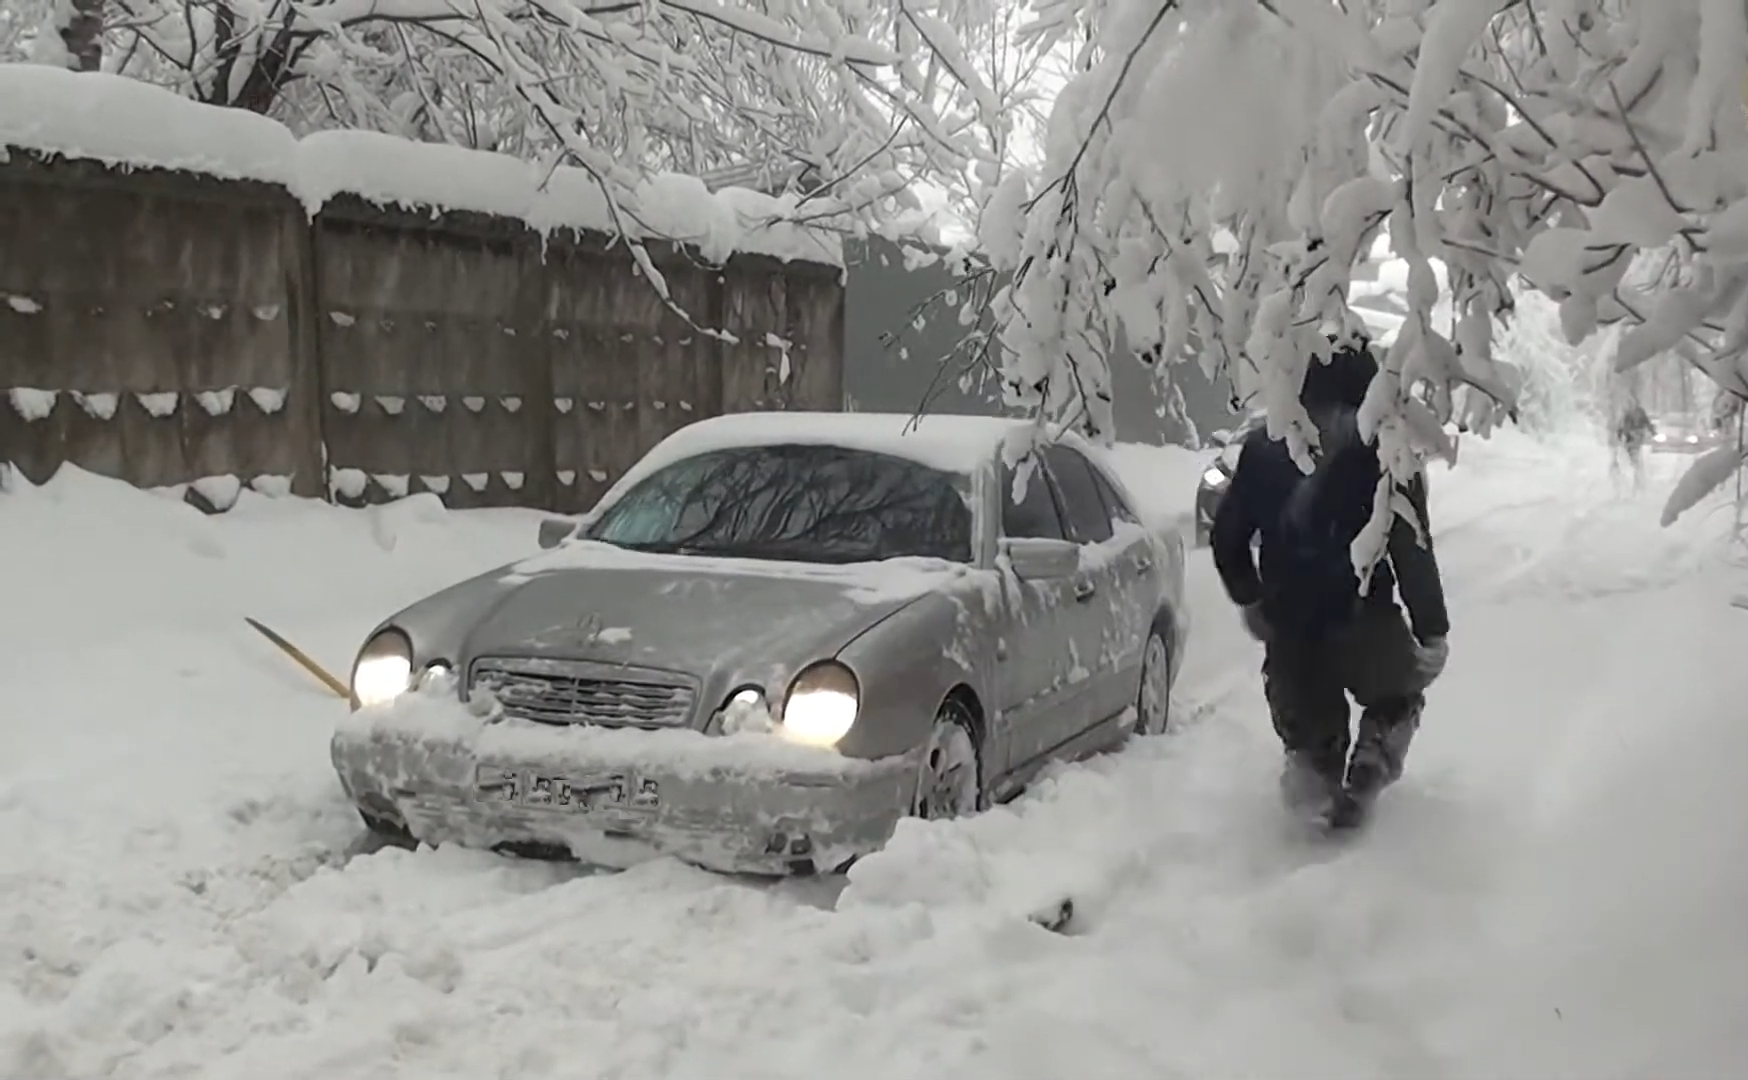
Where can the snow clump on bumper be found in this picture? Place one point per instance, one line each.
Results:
(742, 803)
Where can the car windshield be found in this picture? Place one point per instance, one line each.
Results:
(824, 504)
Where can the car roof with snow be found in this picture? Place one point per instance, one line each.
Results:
(951, 443)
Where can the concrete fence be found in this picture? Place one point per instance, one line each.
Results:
(179, 331)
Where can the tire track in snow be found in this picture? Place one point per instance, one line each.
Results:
(1269, 860)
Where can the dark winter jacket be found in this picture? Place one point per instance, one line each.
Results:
(1635, 425)
(1304, 577)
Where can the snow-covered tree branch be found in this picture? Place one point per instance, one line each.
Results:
(847, 105)
(1216, 168)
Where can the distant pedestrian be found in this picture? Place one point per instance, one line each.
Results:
(1632, 431)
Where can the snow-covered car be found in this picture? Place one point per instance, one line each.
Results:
(776, 635)
(1212, 483)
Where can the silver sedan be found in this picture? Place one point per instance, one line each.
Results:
(775, 636)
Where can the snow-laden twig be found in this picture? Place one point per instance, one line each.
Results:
(847, 104)
(1215, 176)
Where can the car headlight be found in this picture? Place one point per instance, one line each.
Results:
(384, 670)
(1214, 478)
(1659, 437)
(1692, 439)
(822, 705)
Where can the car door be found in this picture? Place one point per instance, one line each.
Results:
(1032, 647)
(1142, 581)
(1102, 629)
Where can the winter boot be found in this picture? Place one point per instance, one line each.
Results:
(1310, 781)
(1382, 747)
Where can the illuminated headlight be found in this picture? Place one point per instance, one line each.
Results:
(1693, 440)
(1214, 478)
(822, 705)
(384, 670)
(1659, 437)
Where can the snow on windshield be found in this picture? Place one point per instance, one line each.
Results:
(811, 503)
(953, 444)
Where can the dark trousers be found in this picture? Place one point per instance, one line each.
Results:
(1307, 680)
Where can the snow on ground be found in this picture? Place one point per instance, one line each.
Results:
(1554, 891)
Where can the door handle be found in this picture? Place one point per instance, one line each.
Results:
(1144, 565)
(1084, 590)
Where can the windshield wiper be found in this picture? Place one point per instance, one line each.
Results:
(753, 549)
(654, 547)
(797, 550)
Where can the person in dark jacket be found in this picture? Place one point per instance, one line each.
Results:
(1323, 638)
(1631, 433)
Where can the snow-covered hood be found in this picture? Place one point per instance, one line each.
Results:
(723, 621)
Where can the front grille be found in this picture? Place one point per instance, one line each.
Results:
(578, 692)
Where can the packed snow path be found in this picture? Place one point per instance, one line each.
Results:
(1554, 891)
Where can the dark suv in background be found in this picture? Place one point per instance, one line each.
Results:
(1215, 478)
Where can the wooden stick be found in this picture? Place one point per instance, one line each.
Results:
(303, 660)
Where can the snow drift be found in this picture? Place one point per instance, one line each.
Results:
(1554, 891)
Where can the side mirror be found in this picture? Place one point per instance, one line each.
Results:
(555, 530)
(1039, 559)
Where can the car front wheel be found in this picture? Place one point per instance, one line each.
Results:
(950, 782)
(1153, 703)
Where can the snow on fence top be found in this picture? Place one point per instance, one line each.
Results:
(125, 123)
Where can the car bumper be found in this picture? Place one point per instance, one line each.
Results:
(616, 798)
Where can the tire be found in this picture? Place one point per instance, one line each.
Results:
(950, 777)
(1153, 698)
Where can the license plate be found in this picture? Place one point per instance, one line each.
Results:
(534, 789)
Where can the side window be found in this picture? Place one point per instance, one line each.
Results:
(1114, 503)
(1082, 510)
(1034, 517)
